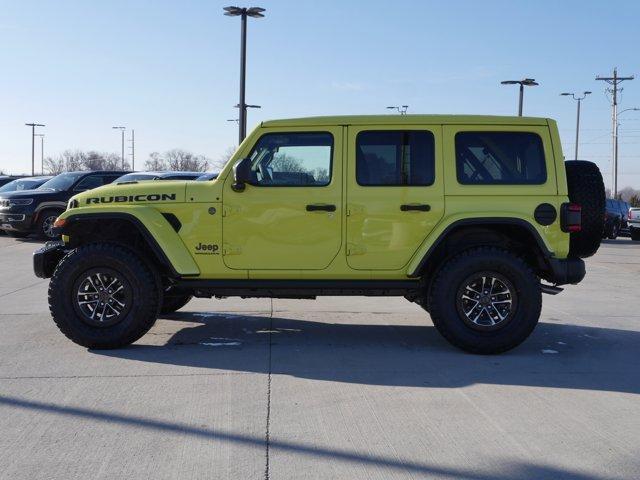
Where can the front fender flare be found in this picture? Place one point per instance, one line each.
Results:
(159, 234)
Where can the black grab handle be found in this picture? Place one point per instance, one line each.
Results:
(318, 208)
(420, 207)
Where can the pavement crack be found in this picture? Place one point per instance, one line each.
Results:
(267, 433)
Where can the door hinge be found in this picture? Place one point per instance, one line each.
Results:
(231, 249)
(354, 209)
(355, 249)
(228, 210)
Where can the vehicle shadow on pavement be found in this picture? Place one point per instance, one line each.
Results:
(556, 355)
(507, 470)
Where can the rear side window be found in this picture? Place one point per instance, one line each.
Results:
(500, 158)
(388, 158)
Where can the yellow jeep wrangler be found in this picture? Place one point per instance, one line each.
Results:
(471, 217)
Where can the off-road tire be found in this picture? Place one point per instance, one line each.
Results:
(444, 292)
(143, 282)
(45, 222)
(586, 188)
(172, 302)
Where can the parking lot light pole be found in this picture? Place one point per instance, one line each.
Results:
(243, 13)
(579, 100)
(122, 130)
(33, 145)
(402, 110)
(525, 82)
(41, 135)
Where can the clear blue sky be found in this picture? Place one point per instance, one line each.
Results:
(169, 69)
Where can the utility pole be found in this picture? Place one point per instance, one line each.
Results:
(33, 145)
(133, 149)
(614, 82)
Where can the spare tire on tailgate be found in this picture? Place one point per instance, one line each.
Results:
(586, 188)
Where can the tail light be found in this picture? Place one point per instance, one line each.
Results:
(630, 214)
(571, 217)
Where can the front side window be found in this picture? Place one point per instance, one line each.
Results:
(500, 158)
(292, 160)
(395, 158)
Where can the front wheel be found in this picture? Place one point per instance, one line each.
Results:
(45, 224)
(174, 301)
(485, 300)
(103, 296)
(615, 231)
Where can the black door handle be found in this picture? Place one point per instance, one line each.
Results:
(421, 207)
(318, 208)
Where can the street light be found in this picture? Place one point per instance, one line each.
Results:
(579, 100)
(615, 147)
(526, 82)
(33, 145)
(243, 13)
(41, 135)
(402, 110)
(122, 130)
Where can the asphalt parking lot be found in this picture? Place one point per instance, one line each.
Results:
(333, 388)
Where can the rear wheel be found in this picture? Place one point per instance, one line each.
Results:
(615, 231)
(103, 296)
(635, 234)
(485, 300)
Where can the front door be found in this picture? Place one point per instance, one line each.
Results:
(289, 216)
(395, 193)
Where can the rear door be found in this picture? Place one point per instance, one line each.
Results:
(395, 193)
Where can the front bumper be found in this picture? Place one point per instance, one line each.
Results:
(566, 270)
(18, 221)
(46, 259)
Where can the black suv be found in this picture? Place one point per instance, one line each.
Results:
(34, 211)
(615, 218)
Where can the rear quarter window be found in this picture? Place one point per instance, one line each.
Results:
(500, 158)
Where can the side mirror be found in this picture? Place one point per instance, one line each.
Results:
(241, 174)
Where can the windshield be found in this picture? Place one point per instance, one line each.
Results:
(64, 181)
(132, 177)
(21, 184)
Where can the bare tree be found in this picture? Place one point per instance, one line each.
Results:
(182, 160)
(155, 163)
(54, 166)
(224, 158)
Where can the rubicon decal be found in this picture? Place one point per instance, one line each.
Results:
(152, 197)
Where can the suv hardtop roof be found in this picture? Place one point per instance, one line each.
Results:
(407, 119)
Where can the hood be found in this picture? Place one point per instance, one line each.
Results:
(28, 193)
(146, 193)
